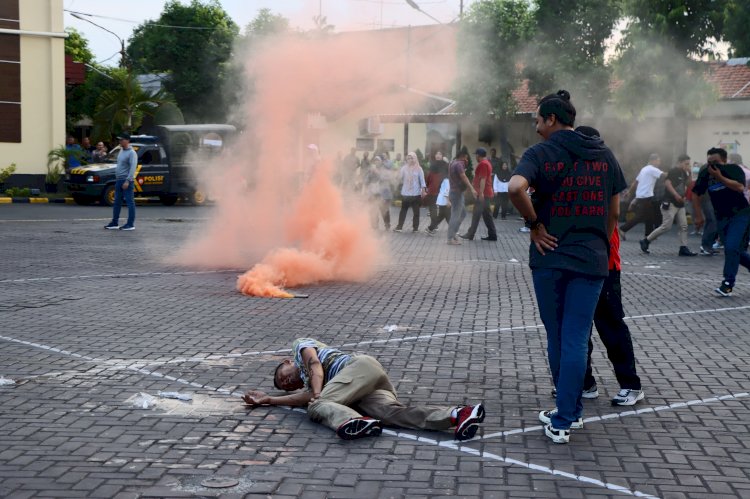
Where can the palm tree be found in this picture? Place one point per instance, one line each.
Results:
(123, 109)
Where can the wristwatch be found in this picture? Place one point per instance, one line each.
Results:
(533, 224)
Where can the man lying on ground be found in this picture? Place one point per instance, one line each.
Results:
(352, 395)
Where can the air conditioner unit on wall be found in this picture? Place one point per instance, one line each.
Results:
(370, 126)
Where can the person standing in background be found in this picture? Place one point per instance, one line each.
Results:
(434, 179)
(725, 185)
(443, 203)
(500, 186)
(645, 205)
(127, 161)
(459, 182)
(413, 189)
(673, 207)
(483, 188)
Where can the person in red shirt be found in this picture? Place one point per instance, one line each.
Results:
(483, 186)
(610, 324)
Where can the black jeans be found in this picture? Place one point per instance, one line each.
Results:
(646, 211)
(415, 202)
(482, 210)
(443, 213)
(430, 201)
(501, 205)
(615, 335)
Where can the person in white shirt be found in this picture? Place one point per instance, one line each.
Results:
(645, 204)
(443, 205)
(413, 189)
(500, 186)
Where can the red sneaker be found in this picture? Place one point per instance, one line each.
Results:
(467, 421)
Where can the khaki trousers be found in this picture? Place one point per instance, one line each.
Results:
(364, 385)
(668, 217)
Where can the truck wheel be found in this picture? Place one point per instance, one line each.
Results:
(168, 199)
(198, 198)
(83, 200)
(108, 196)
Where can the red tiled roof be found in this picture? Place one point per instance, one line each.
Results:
(526, 103)
(733, 82)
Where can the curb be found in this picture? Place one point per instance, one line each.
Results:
(35, 200)
(69, 200)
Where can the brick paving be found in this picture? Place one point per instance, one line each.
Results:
(85, 339)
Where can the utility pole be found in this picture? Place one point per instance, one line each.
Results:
(461, 11)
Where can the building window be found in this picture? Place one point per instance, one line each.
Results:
(386, 145)
(10, 73)
(365, 144)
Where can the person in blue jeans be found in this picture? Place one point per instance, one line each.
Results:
(127, 161)
(725, 184)
(571, 216)
(459, 183)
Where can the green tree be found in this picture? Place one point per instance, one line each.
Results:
(568, 51)
(266, 23)
(192, 43)
(490, 42)
(737, 27)
(77, 46)
(657, 56)
(124, 107)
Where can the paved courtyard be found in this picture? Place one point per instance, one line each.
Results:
(93, 322)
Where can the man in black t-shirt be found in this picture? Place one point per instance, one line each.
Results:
(673, 206)
(725, 184)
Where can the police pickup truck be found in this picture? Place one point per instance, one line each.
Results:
(169, 165)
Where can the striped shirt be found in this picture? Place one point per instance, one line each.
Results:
(333, 360)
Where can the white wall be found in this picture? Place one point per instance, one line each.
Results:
(42, 88)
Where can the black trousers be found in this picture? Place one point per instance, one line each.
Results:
(501, 205)
(646, 211)
(415, 202)
(482, 210)
(615, 335)
(443, 213)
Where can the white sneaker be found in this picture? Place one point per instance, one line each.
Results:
(591, 393)
(546, 418)
(557, 436)
(628, 397)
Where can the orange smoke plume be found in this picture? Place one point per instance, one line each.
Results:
(291, 226)
(333, 244)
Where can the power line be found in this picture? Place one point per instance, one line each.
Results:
(149, 23)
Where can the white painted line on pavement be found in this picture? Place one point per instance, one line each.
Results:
(202, 358)
(620, 415)
(536, 467)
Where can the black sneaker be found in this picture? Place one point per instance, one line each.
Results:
(644, 245)
(467, 421)
(112, 226)
(359, 428)
(685, 251)
(725, 289)
(707, 252)
(488, 238)
(127, 227)
(466, 236)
